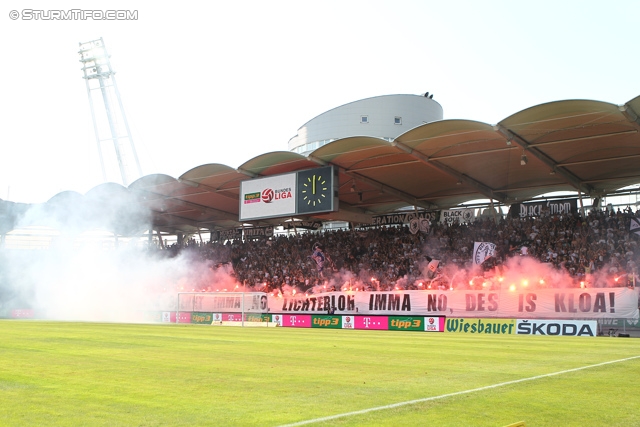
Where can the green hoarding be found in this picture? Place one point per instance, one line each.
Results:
(405, 323)
(201, 318)
(481, 326)
(152, 316)
(257, 317)
(333, 322)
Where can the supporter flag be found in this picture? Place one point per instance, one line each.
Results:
(635, 226)
(432, 268)
(482, 251)
(414, 225)
(419, 224)
(425, 225)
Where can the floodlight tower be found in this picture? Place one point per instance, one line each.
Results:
(99, 75)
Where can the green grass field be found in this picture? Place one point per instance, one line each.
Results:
(57, 373)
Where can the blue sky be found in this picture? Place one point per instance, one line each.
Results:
(227, 81)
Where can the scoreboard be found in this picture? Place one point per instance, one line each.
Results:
(299, 193)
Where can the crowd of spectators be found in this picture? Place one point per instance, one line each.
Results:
(597, 250)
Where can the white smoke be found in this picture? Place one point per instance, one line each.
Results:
(75, 281)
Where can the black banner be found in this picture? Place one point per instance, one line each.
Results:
(223, 235)
(548, 207)
(306, 225)
(258, 232)
(404, 218)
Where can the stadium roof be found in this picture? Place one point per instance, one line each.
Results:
(576, 145)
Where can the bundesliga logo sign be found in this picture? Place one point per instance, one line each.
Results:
(269, 195)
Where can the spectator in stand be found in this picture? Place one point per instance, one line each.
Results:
(394, 257)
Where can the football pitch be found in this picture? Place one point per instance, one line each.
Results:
(69, 374)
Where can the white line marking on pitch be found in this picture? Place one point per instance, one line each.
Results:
(457, 393)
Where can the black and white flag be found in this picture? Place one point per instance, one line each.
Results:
(482, 251)
(635, 226)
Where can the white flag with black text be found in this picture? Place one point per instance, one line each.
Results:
(482, 251)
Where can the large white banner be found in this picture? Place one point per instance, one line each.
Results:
(530, 304)
(450, 216)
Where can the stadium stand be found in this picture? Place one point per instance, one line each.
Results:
(595, 251)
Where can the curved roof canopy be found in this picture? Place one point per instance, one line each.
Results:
(577, 145)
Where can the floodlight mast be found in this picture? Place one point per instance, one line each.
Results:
(97, 68)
